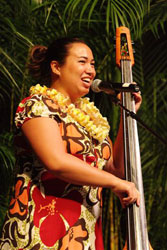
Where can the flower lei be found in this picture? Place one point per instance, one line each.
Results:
(83, 111)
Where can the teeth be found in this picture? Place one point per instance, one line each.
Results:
(86, 79)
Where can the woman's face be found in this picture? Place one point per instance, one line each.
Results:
(77, 73)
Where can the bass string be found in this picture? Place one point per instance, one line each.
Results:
(133, 167)
(128, 102)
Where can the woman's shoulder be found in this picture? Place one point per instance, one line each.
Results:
(37, 105)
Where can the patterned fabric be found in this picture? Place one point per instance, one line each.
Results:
(46, 212)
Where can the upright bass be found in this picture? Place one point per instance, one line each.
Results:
(137, 235)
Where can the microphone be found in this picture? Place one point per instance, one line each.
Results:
(113, 88)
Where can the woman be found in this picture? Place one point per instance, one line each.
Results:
(64, 156)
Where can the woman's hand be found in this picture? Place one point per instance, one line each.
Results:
(138, 100)
(127, 193)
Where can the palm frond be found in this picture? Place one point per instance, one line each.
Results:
(8, 75)
(7, 162)
(20, 36)
(115, 13)
(156, 19)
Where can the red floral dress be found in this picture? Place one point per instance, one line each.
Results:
(46, 212)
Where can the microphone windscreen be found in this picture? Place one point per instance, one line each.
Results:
(95, 84)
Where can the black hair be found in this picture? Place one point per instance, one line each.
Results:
(41, 57)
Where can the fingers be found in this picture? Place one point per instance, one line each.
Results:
(138, 100)
(127, 193)
(137, 96)
(129, 200)
(131, 196)
(138, 201)
(126, 202)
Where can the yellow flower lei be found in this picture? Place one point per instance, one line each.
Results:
(83, 111)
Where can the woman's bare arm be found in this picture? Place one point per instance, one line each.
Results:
(44, 136)
(116, 164)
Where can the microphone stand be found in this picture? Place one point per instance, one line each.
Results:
(117, 102)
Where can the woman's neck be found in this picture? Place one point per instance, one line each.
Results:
(59, 87)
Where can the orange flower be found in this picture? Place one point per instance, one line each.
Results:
(18, 204)
(74, 237)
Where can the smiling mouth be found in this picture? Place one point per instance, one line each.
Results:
(86, 80)
(86, 83)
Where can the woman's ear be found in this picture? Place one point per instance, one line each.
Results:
(55, 68)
